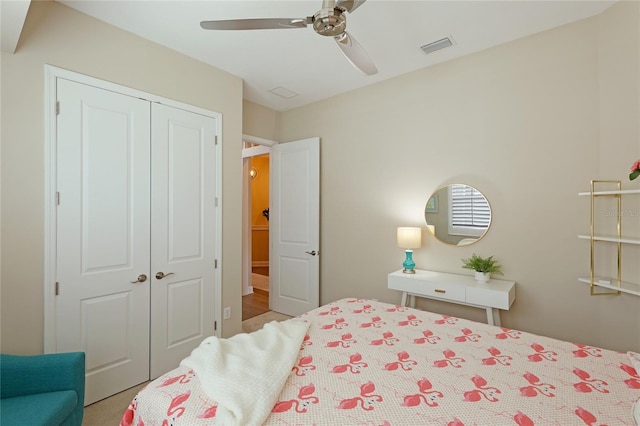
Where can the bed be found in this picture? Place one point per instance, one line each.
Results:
(363, 362)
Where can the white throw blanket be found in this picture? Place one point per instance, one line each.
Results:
(245, 373)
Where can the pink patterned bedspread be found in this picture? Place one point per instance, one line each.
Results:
(371, 363)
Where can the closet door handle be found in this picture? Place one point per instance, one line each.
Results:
(141, 278)
(312, 252)
(160, 275)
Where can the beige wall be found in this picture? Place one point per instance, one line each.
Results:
(57, 35)
(529, 124)
(259, 121)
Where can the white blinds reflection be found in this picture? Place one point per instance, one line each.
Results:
(469, 208)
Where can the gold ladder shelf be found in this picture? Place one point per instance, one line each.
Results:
(616, 284)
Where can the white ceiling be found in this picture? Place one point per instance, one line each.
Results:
(312, 65)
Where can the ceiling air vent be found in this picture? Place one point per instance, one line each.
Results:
(437, 45)
(283, 92)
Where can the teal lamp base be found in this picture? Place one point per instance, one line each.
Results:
(408, 264)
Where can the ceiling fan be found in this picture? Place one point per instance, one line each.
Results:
(329, 21)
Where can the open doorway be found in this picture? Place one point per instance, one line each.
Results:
(257, 303)
(255, 287)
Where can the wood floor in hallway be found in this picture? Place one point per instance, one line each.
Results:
(255, 304)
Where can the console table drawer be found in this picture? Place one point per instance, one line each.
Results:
(483, 296)
(453, 293)
(416, 284)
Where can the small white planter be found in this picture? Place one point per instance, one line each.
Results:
(482, 277)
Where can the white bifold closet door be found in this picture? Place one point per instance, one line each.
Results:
(135, 234)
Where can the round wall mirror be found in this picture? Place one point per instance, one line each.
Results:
(458, 214)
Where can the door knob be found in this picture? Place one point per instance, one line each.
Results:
(141, 278)
(160, 275)
(312, 252)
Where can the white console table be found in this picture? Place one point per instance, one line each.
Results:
(454, 288)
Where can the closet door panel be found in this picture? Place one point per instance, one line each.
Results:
(103, 232)
(183, 234)
(185, 192)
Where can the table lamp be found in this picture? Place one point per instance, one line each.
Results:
(408, 239)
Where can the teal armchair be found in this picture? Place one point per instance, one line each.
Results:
(42, 389)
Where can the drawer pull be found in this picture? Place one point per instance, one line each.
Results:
(437, 290)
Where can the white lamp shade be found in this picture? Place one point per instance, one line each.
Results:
(409, 238)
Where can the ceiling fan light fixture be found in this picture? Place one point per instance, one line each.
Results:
(437, 45)
(283, 92)
(329, 22)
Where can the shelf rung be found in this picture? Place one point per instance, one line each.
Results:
(621, 192)
(625, 287)
(611, 239)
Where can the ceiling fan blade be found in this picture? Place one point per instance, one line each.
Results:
(349, 5)
(355, 53)
(256, 24)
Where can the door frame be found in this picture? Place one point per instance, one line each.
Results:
(51, 74)
(264, 148)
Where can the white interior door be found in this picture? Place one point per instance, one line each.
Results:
(294, 221)
(103, 163)
(183, 219)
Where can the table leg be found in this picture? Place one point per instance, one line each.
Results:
(493, 316)
(403, 302)
(412, 301)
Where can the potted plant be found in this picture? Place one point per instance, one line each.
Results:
(484, 267)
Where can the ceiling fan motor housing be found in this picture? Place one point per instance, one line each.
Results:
(329, 22)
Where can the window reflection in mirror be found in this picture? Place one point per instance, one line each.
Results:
(458, 214)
